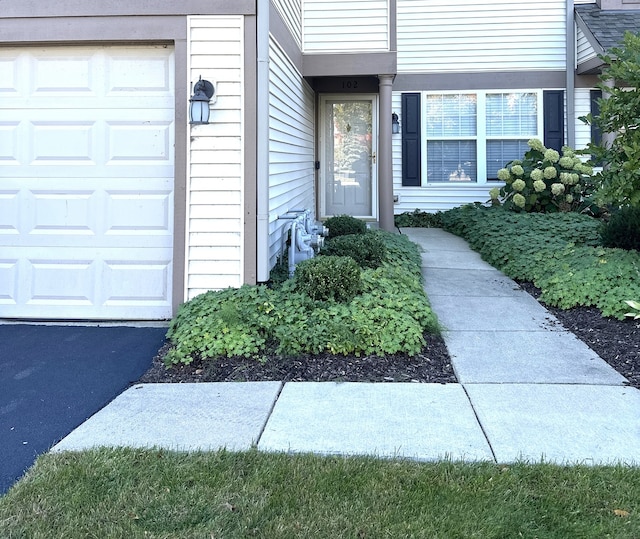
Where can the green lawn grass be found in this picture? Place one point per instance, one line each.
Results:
(160, 494)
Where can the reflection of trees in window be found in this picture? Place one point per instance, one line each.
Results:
(352, 127)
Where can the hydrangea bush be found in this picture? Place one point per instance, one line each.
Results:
(545, 181)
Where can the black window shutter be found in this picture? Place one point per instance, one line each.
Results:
(411, 139)
(553, 103)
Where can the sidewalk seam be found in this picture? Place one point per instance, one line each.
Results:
(269, 413)
(484, 432)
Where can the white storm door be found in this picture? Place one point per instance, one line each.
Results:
(86, 182)
(348, 146)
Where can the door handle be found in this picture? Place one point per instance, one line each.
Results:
(373, 158)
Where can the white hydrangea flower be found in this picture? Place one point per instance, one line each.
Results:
(557, 189)
(518, 185)
(539, 186)
(566, 162)
(537, 174)
(504, 175)
(519, 200)
(550, 173)
(517, 170)
(552, 155)
(535, 144)
(494, 193)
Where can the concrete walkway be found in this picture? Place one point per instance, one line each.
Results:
(528, 390)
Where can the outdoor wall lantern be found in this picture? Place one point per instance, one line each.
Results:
(199, 102)
(395, 124)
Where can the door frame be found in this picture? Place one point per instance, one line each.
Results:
(322, 144)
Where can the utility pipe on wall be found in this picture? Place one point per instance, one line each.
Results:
(571, 72)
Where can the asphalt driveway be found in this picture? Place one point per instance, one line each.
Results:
(52, 378)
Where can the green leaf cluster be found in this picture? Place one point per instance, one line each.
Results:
(341, 225)
(560, 253)
(324, 278)
(623, 229)
(368, 250)
(390, 314)
(619, 180)
(417, 219)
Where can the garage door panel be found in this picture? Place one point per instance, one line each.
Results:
(135, 74)
(63, 141)
(86, 182)
(60, 74)
(134, 141)
(60, 282)
(9, 136)
(137, 281)
(9, 281)
(131, 213)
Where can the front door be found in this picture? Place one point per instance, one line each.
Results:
(348, 146)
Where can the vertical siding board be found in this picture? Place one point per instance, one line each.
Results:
(291, 145)
(215, 161)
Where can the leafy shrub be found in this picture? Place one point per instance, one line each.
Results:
(619, 179)
(326, 278)
(368, 250)
(400, 251)
(418, 219)
(391, 315)
(235, 321)
(560, 253)
(342, 225)
(545, 181)
(623, 229)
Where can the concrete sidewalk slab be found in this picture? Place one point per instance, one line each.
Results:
(526, 357)
(521, 313)
(481, 283)
(422, 421)
(435, 239)
(469, 260)
(564, 424)
(184, 417)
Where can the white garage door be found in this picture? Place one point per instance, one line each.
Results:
(86, 182)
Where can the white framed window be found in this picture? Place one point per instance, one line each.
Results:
(469, 136)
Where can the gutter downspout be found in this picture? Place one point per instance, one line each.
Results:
(262, 143)
(571, 73)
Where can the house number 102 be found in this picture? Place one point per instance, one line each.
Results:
(349, 84)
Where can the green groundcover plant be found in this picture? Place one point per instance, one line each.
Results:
(389, 314)
(560, 253)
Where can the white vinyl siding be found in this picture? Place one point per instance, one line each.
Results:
(215, 159)
(582, 108)
(585, 50)
(291, 145)
(345, 26)
(291, 13)
(478, 36)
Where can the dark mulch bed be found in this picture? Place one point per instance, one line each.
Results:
(431, 365)
(617, 342)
